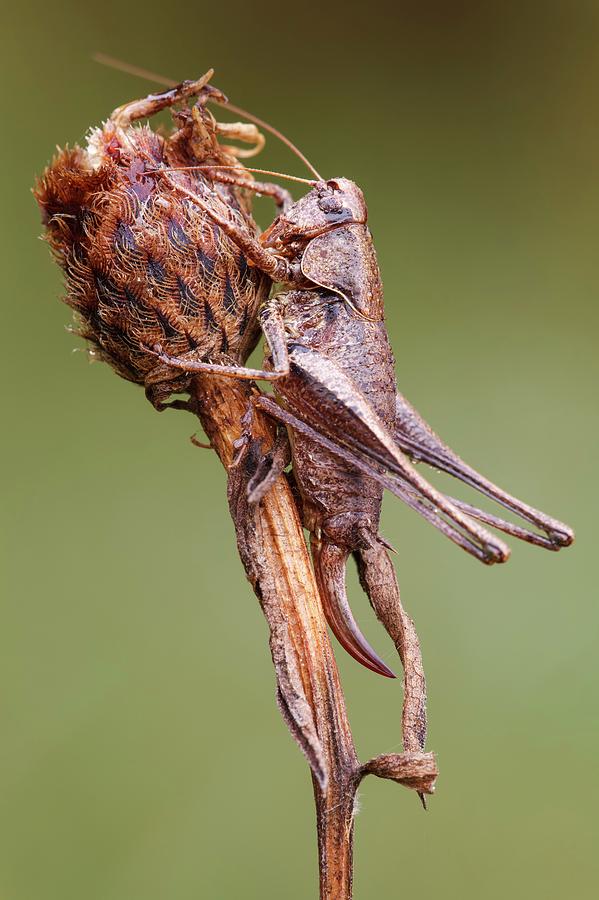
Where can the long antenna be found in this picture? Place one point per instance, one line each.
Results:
(113, 63)
(278, 134)
(240, 170)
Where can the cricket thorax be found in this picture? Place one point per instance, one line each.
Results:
(310, 314)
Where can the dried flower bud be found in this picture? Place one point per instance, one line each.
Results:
(143, 264)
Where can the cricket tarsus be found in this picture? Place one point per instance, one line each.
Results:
(524, 534)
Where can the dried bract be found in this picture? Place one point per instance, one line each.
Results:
(143, 265)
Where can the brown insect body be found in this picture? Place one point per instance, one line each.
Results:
(325, 324)
(333, 373)
(341, 503)
(143, 265)
(340, 359)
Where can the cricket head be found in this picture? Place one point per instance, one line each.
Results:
(328, 205)
(326, 233)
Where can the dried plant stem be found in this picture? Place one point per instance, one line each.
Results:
(274, 553)
(285, 584)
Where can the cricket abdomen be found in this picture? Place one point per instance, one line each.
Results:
(339, 499)
(341, 503)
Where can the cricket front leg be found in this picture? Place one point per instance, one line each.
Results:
(278, 268)
(417, 439)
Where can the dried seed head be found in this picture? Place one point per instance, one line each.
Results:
(143, 265)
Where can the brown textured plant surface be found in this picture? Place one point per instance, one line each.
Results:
(142, 265)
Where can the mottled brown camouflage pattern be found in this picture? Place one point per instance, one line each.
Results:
(143, 265)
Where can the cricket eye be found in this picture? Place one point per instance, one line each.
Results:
(330, 204)
(334, 209)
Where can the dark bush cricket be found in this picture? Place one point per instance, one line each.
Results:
(351, 432)
(166, 271)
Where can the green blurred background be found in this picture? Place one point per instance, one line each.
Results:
(143, 757)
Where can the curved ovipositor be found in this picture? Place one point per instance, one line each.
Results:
(329, 568)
